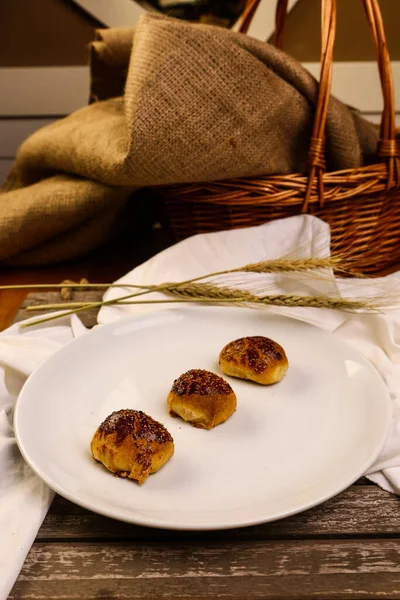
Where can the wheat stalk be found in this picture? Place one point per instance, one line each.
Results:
(266, 266)
(71, 284)
(209, 293)
(196, 289)
(284, 265)
(279, 265)
(76, 305)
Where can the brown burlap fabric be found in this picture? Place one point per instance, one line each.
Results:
(171, 102)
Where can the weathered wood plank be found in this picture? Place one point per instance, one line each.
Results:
(359, 511)
(338, 569)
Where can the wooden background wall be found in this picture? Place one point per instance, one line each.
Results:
(43, 56)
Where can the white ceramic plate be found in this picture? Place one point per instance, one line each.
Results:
(287, 447)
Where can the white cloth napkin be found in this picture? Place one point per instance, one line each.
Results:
(24, 499)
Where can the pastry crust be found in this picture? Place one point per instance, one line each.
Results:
(202, 398)
(131, 444)
(256, 358)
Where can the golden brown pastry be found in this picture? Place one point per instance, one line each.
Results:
(256, 358)
(202, 398)
(131, 444)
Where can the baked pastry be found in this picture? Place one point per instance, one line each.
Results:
(131, 444)
(256, 358)
(202, 398)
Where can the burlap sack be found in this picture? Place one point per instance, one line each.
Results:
(200, 103)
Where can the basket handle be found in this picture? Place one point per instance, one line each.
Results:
(280, 19)
(387, 146)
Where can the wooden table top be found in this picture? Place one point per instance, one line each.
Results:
(348, 547)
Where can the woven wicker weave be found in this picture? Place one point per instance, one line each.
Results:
(362, 206)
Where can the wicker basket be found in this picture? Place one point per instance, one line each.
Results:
(361, 205)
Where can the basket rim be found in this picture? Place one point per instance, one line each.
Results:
(339, 185)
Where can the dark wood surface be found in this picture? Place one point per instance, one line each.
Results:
(348, 547)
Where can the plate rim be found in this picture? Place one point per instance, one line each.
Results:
(155, 523)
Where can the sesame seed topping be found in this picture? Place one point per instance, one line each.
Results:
(255, 352)
(202, 382)
(135, 423)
